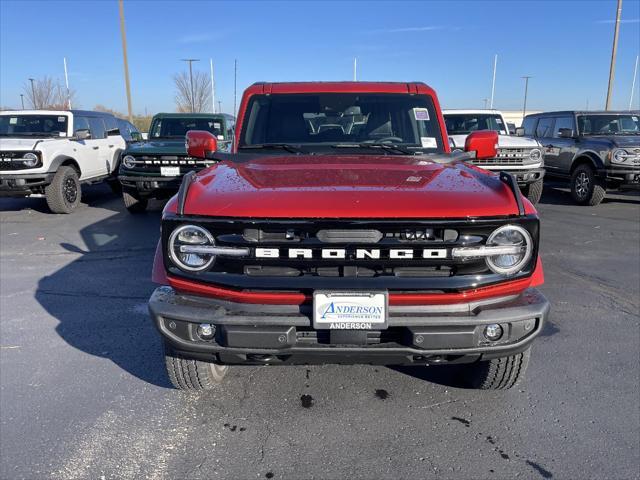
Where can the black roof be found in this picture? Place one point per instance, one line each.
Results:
(586, 112)
(92, 113)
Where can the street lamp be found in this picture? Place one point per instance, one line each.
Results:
(526, 88)
(22, 100)
(33, 94)
(191, 60)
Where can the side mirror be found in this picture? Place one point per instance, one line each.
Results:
(484, 143)
(566, 133)
(83, 134)
(136, 136)
(200, 144)
(520, 132)
(113, 132)
(512, 128)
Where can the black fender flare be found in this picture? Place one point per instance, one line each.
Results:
(591, 158)
(64, 160)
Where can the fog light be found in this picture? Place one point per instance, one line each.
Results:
(493, 332)
(206, 331)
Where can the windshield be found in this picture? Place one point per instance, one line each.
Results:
(178, 127)
(321, 120)
(620, 124)
(465, 123)
(33, 125)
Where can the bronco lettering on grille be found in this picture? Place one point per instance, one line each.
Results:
(358, 253)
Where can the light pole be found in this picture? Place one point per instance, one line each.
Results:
(612, 67)
(123, 34)
(191, 60)
(485, 100)
(526, 89)
(219, 106)
(22, 100)
(633, 83)
(33, 94)
(493, 82)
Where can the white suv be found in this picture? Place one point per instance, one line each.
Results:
(522, 157)
(54, 152)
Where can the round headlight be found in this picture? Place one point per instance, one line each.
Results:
(535, 155)
(129, 161)
(510, 235)
(619, 155)
(30, 159)
(190, 236)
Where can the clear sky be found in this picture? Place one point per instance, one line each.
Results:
(564, 45)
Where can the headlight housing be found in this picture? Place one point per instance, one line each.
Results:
(30, 159)
(190, 236)
(535, 155)
(520, 251)
(129, 161)
(620, 156)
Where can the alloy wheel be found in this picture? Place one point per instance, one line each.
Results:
(582, 184)
(70, 190)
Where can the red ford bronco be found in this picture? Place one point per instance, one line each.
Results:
(340, 229)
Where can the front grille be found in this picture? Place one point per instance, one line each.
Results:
(507, 156)
(391, 255)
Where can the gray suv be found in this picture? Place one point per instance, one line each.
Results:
(596, 151)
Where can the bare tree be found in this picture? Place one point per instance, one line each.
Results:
(47, 93)
(201, 98)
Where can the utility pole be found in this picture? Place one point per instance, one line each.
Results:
(633, 83)
(526, 89)
(219, 106)
(213, 88)
(22, 100)
(235, 84)
(33, 94)
(191, 60)
(123, 34)
(66, 81)
(612, 68)
(493, 83)
(355, 69)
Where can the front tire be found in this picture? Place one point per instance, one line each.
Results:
(64, 192)
(132, 201)
(499, 373)
(190, 374)
(533, 191)
(586, 187)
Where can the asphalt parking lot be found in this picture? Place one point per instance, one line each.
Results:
(84, 395)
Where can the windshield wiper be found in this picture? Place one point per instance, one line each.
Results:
(383, 146)
(272, 146)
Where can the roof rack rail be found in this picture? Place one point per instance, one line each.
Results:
(184, 190)
(513, 186)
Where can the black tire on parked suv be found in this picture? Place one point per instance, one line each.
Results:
(586, 187)
(533, 191)
(189, 374)
(132, 200)
(64, 192)
(499, 373)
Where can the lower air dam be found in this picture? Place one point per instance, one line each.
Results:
(350, 325)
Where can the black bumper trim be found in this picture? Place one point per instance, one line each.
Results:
(272, 331)
(23, 184)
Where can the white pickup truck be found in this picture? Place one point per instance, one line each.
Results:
(520, 156)
(54, 152)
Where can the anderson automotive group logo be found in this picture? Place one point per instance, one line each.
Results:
(352, 313)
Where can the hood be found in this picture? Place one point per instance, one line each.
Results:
(620, 141)
(353, 186)
(159, 147)
(504, 141)
(7, 143)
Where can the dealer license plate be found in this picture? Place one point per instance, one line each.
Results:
(350, 310)
(170, 171)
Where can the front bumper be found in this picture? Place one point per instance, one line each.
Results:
(283, 334)
(523, 175)
(623, 177)
(23, 184)
(153, 185)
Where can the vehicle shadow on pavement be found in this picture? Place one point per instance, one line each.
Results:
(100, 297)
(558, 193)
(92, 196)
(445, 375)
